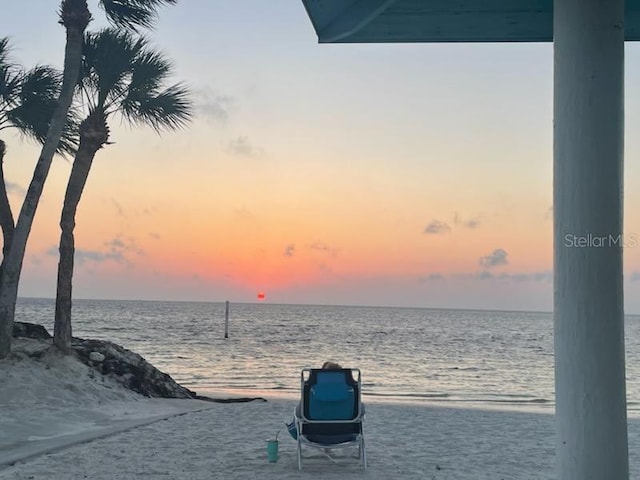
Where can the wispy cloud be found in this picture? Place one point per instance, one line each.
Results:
(473, 222)
(517, 277)
(324, 248)
(432, 277)
(214, 106)
(119, 209)
(117, 249)
(243, 147)
(436, 227)
(320, 246)
(525, 277)
(243, 213)
(536, 277)
(82, 255)
(485, 275)
(99, 257)
(290, 250)
(494, 259)
(15, 189)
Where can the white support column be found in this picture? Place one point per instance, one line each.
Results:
(591, 414)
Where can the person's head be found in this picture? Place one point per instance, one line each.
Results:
(331, 366)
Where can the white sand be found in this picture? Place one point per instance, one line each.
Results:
(60, 423)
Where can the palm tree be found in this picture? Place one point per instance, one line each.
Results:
(120, 75)
(74, 15)
(27, 102)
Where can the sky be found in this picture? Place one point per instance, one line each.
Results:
(415, 175)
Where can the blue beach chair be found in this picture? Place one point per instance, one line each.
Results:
(331, 413)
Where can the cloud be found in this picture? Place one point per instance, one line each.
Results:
(244, 213)
(290, 250)
(119, 246)
(528, 277)
(81, 255)
(436, 227)
(548, 215)
(116, 244)
(635, 277)
(243, 147)
(320, 246)
(494, 259)
(470, 223)
(536, 277)
(116, 251)
(15, 189)
(119, 209)
(214, 106)
(431, 277)
(323, 248)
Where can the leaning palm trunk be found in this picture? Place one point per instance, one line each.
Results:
(93, 134)
(75, 16)
(6, 217)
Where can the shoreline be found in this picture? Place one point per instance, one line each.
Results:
(390, 399)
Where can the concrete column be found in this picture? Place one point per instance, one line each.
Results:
(591, 413)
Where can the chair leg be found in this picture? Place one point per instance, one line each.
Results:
(299, 453)
(364, 453)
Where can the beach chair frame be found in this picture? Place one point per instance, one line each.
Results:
(357, 420)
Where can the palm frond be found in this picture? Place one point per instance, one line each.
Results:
(9, 77)
(121, 75)
(108, 57)
(9, 87)
(4, 50)
(170, 109)
(40, 82)
(150, 69)
(38, 98)
(133, 14)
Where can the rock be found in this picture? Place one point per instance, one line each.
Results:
(124, 366)
(96, 357)
(30, 330)
(129, 369)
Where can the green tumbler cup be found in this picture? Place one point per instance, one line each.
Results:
(272, 450)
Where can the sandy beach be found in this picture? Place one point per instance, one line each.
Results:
(60, 421)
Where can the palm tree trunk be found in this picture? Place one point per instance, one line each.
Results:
(75, 16)
(77, 180)
(93, 134)
(6, 216)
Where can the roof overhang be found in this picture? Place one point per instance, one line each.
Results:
(389, 21)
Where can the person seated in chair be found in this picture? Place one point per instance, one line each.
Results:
(291, 426)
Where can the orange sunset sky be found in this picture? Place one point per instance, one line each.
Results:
(400, 175)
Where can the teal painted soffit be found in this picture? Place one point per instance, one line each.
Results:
(388, 21)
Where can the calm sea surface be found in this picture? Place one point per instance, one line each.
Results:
(481, 358)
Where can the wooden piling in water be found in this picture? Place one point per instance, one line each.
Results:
(226, 319)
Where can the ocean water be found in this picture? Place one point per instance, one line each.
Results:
(455, 357)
